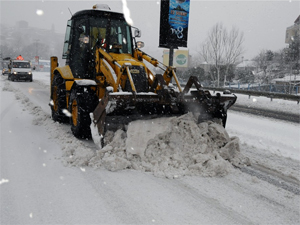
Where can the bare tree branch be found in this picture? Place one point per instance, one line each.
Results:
(222, 48)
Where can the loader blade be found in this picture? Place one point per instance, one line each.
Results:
(117, 109)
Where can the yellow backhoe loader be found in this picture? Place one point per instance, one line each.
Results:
(106, 76)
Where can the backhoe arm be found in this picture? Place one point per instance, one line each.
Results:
(169, 71)
(106, 65)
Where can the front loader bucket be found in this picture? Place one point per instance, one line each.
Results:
(118, 109)
(123, 108)
(206, 105)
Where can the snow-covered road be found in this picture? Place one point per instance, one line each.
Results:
(276, 136)
(38, 187)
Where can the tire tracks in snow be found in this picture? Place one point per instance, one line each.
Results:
(60, 133)
(213, 203)
(5, 111)
(273, 177)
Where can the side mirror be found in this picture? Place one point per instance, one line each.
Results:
(137, 33)
(140, 44)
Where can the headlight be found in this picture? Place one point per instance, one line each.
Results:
(15, 72)
(29, 73)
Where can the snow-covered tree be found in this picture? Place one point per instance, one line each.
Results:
(292, 53)
(263, 61)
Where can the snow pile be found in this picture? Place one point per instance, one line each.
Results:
(184, 148)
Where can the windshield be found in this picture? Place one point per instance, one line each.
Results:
(116, 39)
(21, 65)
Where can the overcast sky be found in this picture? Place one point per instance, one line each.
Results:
(263, 22)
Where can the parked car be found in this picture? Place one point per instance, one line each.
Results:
(5, 67)
(19, 70)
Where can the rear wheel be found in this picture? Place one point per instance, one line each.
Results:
(59, 102)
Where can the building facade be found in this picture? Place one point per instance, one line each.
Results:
(292, 31)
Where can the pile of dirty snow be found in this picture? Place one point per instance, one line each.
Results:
(171, 147)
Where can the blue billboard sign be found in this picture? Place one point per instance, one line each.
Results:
(174, 20)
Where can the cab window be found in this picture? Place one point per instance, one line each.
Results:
(66, 49)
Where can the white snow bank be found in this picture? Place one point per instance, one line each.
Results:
(136, 142)
(168, 147)
(279, 105)
(188, 148)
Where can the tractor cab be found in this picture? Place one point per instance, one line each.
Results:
(90, 28)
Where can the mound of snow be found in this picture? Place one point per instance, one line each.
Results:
(171, 147)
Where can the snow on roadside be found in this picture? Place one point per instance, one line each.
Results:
(183, 148)
(279, 105)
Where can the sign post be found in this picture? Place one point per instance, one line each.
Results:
(36, 60)
(174, 19)
(171, 56)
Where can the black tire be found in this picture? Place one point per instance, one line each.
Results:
(80, 120)
(59, 102)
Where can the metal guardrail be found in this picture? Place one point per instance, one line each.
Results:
(270, 95)
(277, 88)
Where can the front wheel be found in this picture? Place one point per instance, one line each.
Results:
(80, 115)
